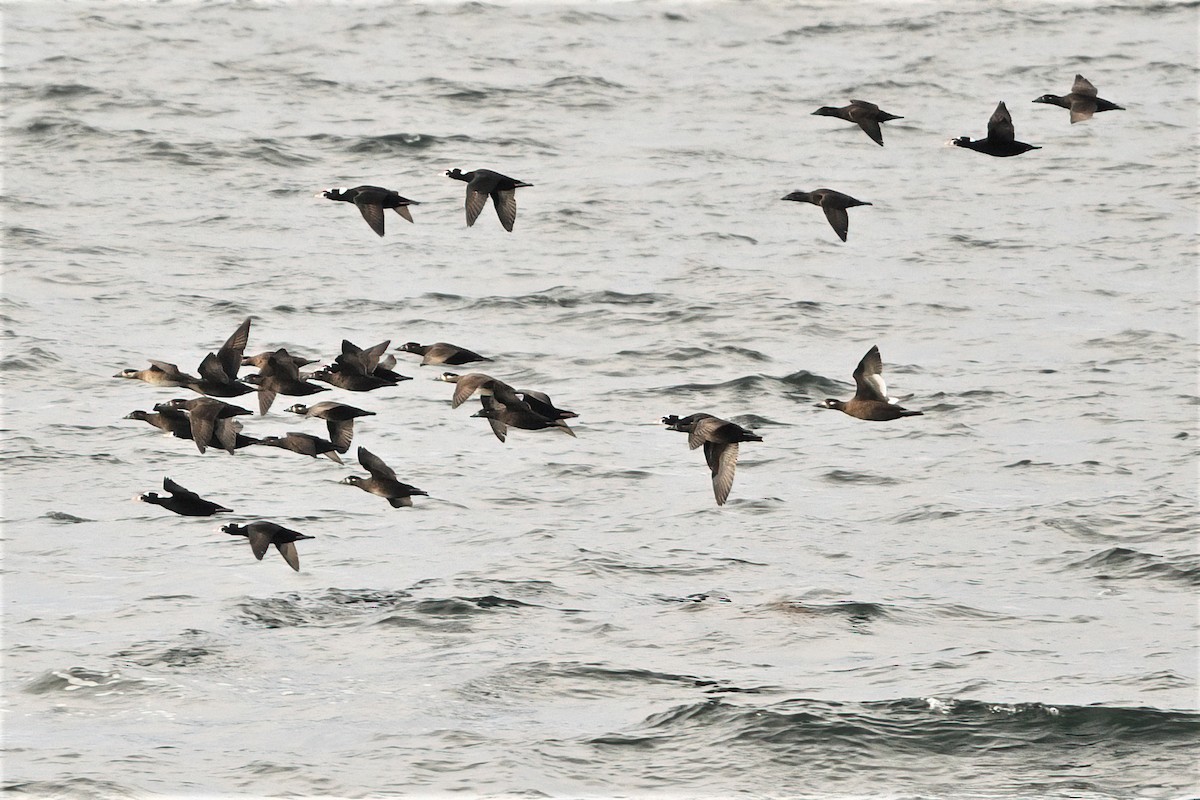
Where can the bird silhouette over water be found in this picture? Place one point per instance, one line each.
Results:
(1082, 101)
(863, 114)
(210, 420)
(720, 439)
(159, 373)
(371, 202)
(442, 353)
(280, 375)
(218, 371)
(360, 369)
(178, 424)
(834, 204)
(339, 420)
(502, 416)
(1001, 136)
(303, 443)
(870, 401)
(383, 481)
(264, 534)
(482, 184)
(182, 501)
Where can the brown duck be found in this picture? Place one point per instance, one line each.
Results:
(870, 401)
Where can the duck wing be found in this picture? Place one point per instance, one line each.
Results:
(702, 431)
(722, 461)
(505, 201)
(374, 465)
(260, 540)
(288, 551)
(868, 377)
(1083, 86)
(177, 490)
(341, 431)
(372, 212)
(1000, 125)
(230, 354)
(476, 200)
(839, 220)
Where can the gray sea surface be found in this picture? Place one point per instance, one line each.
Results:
(994, 600)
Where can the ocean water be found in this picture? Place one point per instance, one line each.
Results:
(994, 600)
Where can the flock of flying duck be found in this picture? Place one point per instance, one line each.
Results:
(211, 422)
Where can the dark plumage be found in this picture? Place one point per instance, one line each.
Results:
(264, 534)
(540, 403)
(339, 419)
(1082, 101)
(1001, 137)
(870, 401)
(359, 370)
(280, 375)
(260, 360)
(182, 501)
(218, 371)
(502, 416)
(442, 353)
(303, 443)
(166, 419)
(485, 385)
(179, 425)
(371, 201)
(383, 481)
(720, 439)
(204, 413)
(482, 184)
(863, 114)
(834, 204)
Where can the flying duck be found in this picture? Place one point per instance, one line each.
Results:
(303, 443)
(1001, 137)
(383, 481)
(834, 204)
(502, 416)
(371, 201)
(720, 439)
(339, 419)
(206, 416)
(279, 376)
(159, 373)
(182, 501)
(264, 534)
(218, 371)
(442, 353)
(482, 184)
(863, 114)
(1082, 101)
(870, 401)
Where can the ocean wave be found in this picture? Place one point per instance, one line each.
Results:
(826, 730)
(1123, 563)
(72, 789)
(865, 478)
(337, 607)
(88, 682)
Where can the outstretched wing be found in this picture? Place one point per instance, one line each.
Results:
(288, 551)
(505, 201)
(475, 203)
(372, 213)
(722, 460)
(1000, 126)
(374, 464)
(868, 377)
